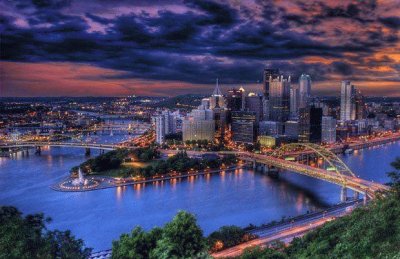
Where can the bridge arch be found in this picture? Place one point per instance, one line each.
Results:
(335, 163)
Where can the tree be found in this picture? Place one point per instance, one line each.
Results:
(132, 246)
(227, 236)
(395, 175)
(258, 253)
(27, 237)
(181, 238)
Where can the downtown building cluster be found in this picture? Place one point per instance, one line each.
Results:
(284, 111)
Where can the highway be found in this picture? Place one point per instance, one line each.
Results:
(285, 232)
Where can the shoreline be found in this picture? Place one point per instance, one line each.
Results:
(110, 182)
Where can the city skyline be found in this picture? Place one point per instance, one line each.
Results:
(70, 48)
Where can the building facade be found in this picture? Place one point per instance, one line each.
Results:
(244, 126)
(328, 130)
(304, 90)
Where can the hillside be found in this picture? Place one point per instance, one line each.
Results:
(372, 231)
(187, 101)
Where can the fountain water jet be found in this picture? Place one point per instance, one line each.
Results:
(81, 180)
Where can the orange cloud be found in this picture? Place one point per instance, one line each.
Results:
(70, 79)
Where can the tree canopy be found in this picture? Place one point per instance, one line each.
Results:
(180, 238)
(27, 237)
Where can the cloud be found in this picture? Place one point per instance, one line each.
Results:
(195, 41)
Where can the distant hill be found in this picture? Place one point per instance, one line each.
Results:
(186, 101)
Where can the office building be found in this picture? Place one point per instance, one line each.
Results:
(328, 130)
(360, 109)
(166, 123)
(217, 99)
(160, 129)
(292, 129)
(294, 102)
(279, 96)
(310, 120)
(199, 125)
(268, 75)
(244, 127)
(206, 103)
(270, 128)
(254, 103)
(235, 99)
(304, 90)
(347, 102)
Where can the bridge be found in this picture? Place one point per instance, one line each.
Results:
(317, 162)
(60, 144)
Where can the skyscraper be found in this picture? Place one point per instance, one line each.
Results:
(268, 75)
(294, 101)
(254, 103)
(166, 123)
(160, 129)
(199, 125)
(235, 99)
(360, 109)
(217, 99)
(244, 126)
(310, 120)
(347, 104)
(328, 130)
(279, 95)
(304, 90)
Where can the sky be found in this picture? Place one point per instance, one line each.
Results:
(171, 47)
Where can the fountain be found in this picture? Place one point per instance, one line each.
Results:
(81, 180)
(78, 184)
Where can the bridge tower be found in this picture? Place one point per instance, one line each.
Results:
(343, 194)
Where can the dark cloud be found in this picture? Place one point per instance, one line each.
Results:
(391, 22)
(342, 68)
(202, 41)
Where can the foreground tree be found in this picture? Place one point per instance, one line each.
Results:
(181, 238)
(27, 237)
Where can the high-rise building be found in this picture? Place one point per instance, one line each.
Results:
(328, 130)
(244, 126)
(217, 99)
(310, 120)
(235, 99)
(279, 96)
(304, 90)
(360, 108)
(199, 125)
(294, 102)
(347, 101)
(266, 107)
(206, 103)
(268, 75)
(166, 123)
(254, 103)
(270, 128)
(160, 129)
(292, 129)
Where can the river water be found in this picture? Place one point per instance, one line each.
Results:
(238, 198)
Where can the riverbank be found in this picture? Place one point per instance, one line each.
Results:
(109, 182)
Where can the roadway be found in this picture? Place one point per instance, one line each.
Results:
(285, 232)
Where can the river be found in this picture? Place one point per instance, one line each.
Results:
(238, 198)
